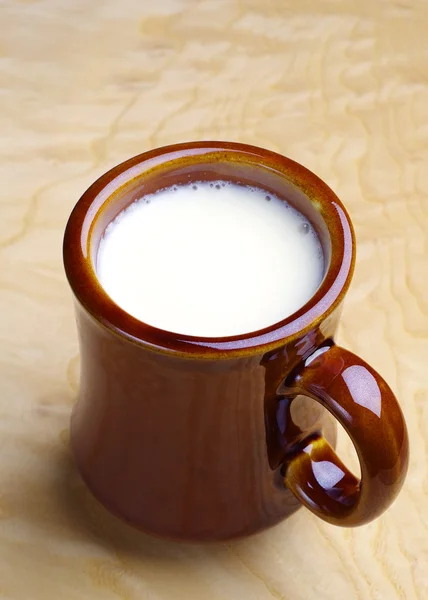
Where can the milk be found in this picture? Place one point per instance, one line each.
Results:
(210, 259)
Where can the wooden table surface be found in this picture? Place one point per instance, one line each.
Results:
(338, 85)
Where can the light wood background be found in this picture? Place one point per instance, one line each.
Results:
(339, 85)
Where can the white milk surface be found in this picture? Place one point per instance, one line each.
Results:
(210, 259)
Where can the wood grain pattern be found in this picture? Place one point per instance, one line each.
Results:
(338, 85)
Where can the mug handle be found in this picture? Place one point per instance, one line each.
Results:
(360, 399)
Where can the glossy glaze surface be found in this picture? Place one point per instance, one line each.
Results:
(186, 437)
(178, 446)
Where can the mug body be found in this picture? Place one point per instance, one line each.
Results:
(185, 437)
(188, 448)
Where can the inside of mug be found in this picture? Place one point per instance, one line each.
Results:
(181, 172)
(208, 161)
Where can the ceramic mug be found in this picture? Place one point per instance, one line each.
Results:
(214, 438)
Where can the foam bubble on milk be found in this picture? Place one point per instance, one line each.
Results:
(210, 259)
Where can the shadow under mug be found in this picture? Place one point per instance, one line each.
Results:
(213, 438)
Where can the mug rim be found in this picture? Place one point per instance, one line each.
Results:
(90, 294)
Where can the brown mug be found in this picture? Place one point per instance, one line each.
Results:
(213, 438)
